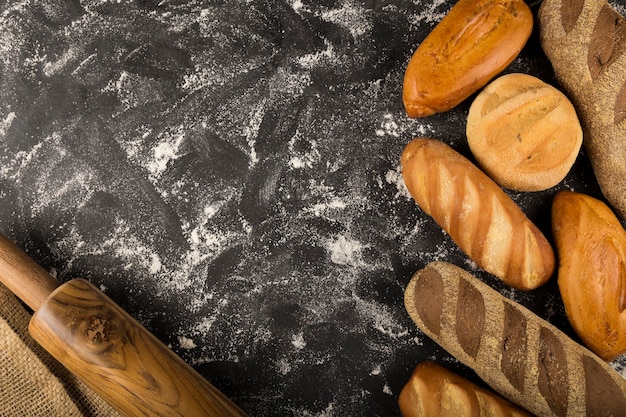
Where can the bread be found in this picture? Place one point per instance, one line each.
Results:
(521, 356)
(585, 40)
(591, 246)
(476, 40)
(524, 133)
(477, 214)
(434, 391)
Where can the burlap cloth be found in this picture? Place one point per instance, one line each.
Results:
(32, 383)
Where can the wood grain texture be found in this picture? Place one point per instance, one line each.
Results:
(23, 276)
(554, 376)
(119, 359)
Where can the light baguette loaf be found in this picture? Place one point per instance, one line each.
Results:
(477, 214)
(591, 247)
(434, 391)
(521, 356)
(585, 41)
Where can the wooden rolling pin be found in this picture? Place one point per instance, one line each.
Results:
(105, 347)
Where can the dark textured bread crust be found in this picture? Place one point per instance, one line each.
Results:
(521, 356)
(585, 40)
(434, 391)
(477, 214)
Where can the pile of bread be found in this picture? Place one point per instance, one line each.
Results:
(524, 135)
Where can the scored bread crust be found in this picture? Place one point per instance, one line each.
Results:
(477, 214)
(434, 391)
(476, 40)
(521, 356)
(524, 133)
(585, 41)
(591, 247)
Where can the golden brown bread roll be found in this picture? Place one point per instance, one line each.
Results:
(477, 214)
(524, 133)
(591, 247)
(475, 41)
(434, 391)
(585, 41)
(518, 354)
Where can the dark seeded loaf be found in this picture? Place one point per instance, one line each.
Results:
(521, 356)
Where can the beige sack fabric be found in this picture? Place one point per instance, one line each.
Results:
(32, 383)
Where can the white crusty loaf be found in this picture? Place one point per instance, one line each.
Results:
(434, 391)
(477, 214)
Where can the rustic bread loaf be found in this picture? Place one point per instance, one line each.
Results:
(585, 41)
(591, 247)
(524, 133)
(477, 214)
(476, 40)
(521, 356)
(434, 391)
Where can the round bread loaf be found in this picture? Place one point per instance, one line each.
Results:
(524, 133)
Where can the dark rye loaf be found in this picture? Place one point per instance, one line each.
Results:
(585, 41)
(521, 356)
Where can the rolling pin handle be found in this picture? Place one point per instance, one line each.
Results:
(23, 276)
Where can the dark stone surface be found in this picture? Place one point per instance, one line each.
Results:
(228, 172)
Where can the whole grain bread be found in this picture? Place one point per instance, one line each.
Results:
(585, 41)
(521, 356)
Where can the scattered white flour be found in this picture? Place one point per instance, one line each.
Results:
(394, 177)
(318, 59)
(335, 204)
(433, 12)
(226, 318)
(298, 341)
(186, 343)
(303, 159)
(165, 152)
(252, 129)
(345, 251)
(351, 16)
(5, 124)
(283, 366)
(388, 127)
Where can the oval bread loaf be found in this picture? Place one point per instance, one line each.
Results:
(591, 247)
(585, 41)
(476, 40)
(518, 354)
(434, 391)
(477, 214)
(524, 133)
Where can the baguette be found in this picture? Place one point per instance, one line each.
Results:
(434, 391)
(591, 244)
(476, 40)
(521, 356)
(585, 41)
(477, 214)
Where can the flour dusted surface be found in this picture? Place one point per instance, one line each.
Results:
(228, 172)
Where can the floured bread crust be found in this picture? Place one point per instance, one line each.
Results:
(524, 133)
